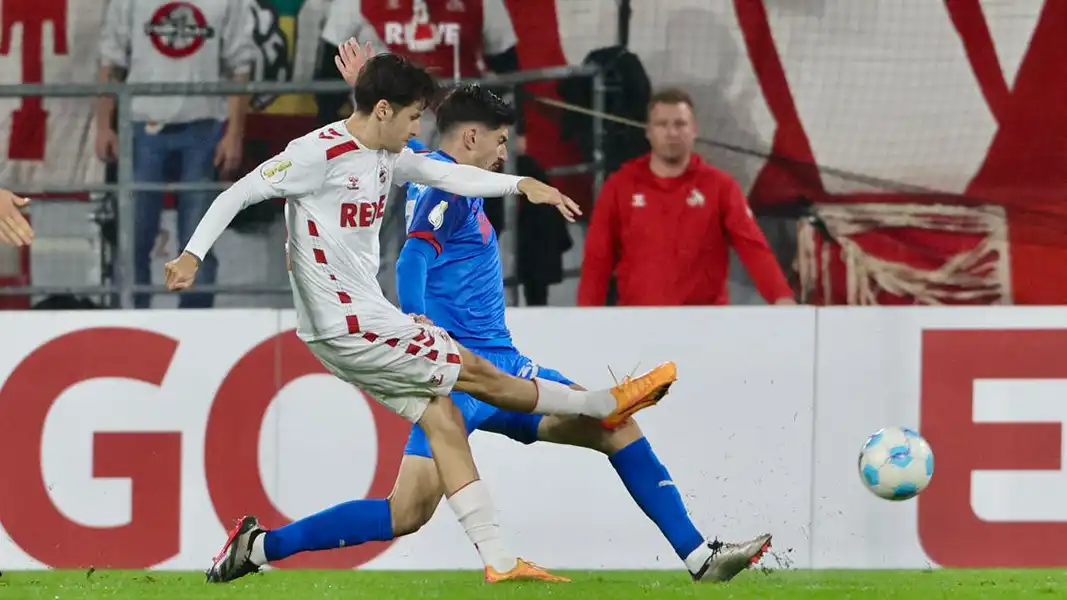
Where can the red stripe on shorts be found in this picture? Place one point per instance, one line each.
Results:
(454, 359)
(353, 324)
(320, 256)
(313, 230)
(344, 298)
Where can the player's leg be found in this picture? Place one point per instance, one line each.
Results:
(414, 498)
(642, 473)
(380, 370)
(480, 378)
(652, 488)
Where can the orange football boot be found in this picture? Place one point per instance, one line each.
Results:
(634, 394)
(523, 570)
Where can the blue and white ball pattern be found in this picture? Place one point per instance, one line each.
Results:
(896, 463)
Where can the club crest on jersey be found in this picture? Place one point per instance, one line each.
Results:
(274, 171)
(639, 200)
(437, 215)
(382, 175)
(695, 198)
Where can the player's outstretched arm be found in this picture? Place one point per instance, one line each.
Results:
(287, 175)
(15, 230)
(466, 180)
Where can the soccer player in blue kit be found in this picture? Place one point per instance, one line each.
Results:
(449, 272)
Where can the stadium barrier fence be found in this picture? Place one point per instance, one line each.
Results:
(121, 285)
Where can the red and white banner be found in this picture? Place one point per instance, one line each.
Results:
(132, 439)
(48, 141)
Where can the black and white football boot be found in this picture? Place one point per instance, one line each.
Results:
(727, 560)
(235, 559)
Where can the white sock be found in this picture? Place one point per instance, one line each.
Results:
(258, 556)
(554, 398)
(698, 557)
(475, 512)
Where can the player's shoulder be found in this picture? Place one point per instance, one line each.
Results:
(323, 144)
(418, 147)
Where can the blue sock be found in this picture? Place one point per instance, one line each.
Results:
(641, 472)
(344, 525)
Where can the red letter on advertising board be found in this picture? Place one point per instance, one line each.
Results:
(151, 461)
(231, 452)
(950, 532)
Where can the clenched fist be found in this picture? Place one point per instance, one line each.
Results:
(181, 272)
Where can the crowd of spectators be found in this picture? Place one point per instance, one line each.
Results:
(661, 229)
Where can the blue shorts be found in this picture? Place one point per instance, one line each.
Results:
(521, 427)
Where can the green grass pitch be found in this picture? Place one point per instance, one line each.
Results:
(586, 585)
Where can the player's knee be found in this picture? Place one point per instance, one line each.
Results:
(478, 376)
(594, 436)
(410, 514)
(442, 417)
(620, 437)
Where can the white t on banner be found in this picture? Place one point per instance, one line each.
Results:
(48, 141)
(146, 404)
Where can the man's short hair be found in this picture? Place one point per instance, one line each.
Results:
(396, 80)
(670, 96)
(472, 103)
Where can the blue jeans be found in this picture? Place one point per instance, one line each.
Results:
(184, 152)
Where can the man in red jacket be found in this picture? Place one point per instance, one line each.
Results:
(663, 224)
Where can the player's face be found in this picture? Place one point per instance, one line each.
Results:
(490, 148)
(671, 131)
(400, 127)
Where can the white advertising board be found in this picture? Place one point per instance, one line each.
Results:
(132, 439)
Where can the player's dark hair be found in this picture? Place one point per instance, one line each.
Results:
(472, 103)
(396, 80)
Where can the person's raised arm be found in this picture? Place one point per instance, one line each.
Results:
(466, 180)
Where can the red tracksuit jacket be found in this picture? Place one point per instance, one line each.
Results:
(667, 239)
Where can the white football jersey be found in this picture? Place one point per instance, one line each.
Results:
(335, 191)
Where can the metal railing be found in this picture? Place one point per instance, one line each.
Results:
(125, 187)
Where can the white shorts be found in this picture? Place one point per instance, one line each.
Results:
(403, 371)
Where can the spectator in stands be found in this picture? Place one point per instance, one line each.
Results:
(189, 137)
(453, 38)
(664, 223)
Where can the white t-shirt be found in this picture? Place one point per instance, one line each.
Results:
(190, 42)
(336, 194)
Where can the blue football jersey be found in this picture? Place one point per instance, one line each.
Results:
(465, 284)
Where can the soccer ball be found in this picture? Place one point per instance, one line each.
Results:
(896, 463)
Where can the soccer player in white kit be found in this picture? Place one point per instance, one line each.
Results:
(335, 181)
